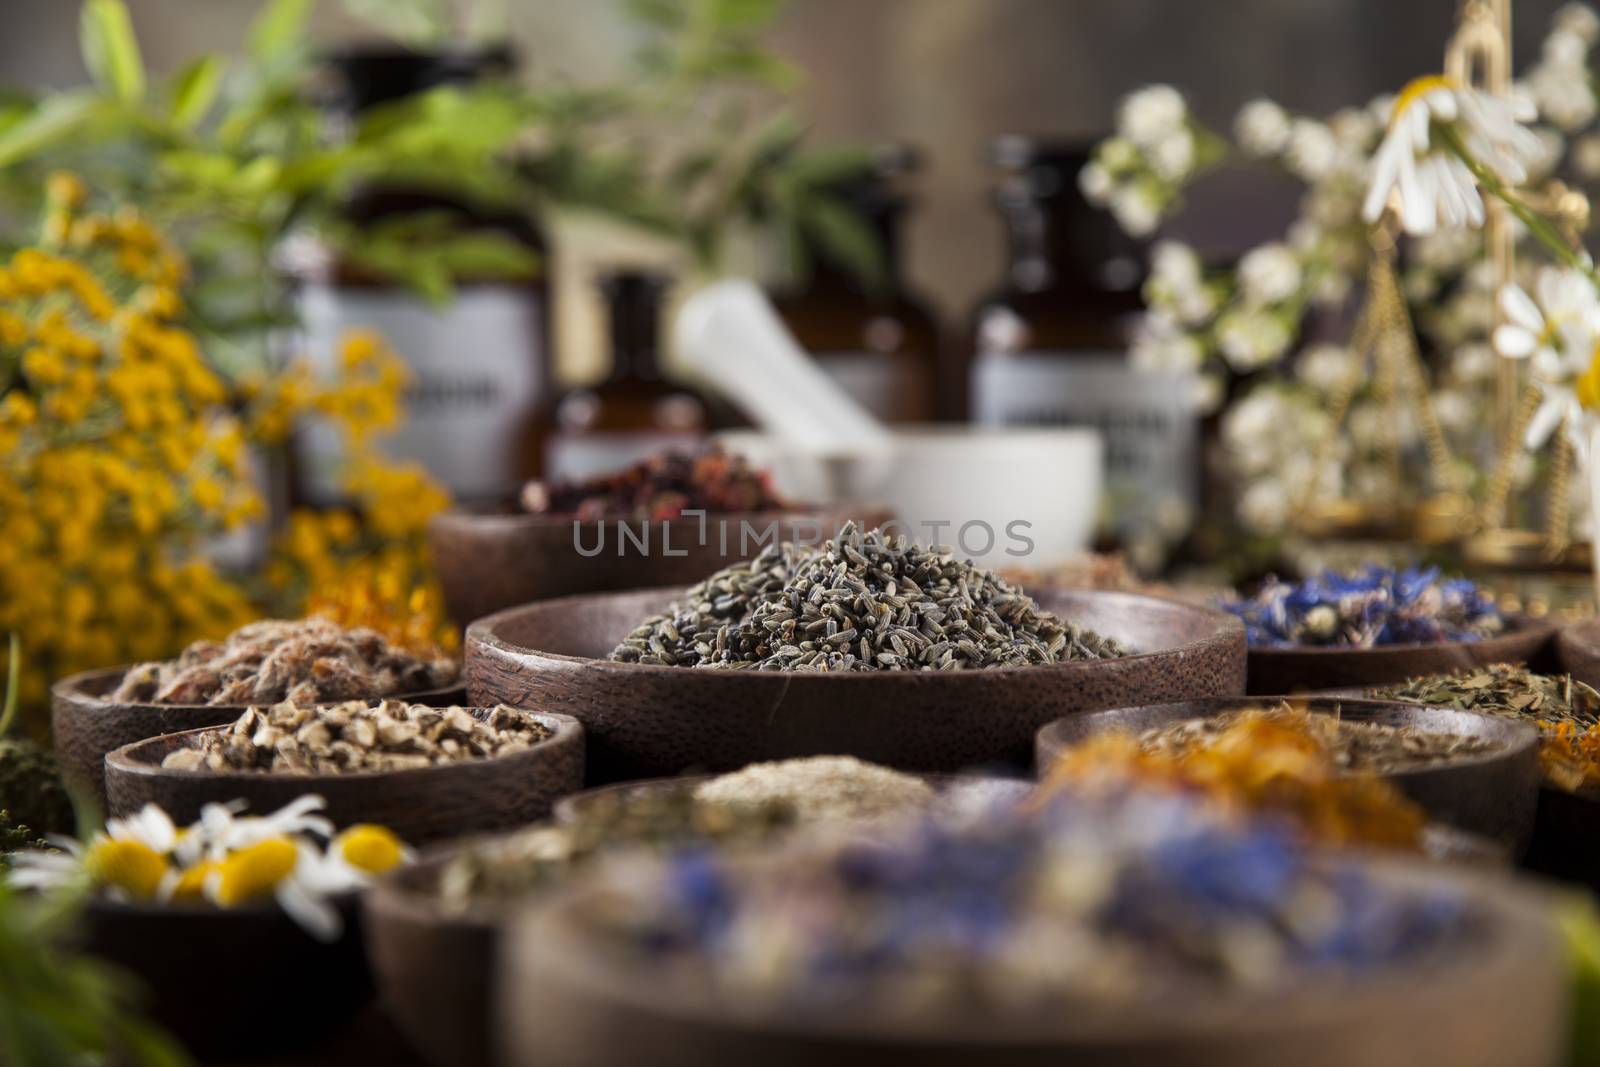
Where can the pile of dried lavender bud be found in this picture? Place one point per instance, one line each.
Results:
(356, 737)
(858, 602)
(304, 661)
(1354, 747)
(663, 486)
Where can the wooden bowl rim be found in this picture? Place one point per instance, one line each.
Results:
(1516, 626)
(71, 688)
(183, 909)
(1517, 911)
(128, 759)
(482, 638)
(1522, 736)
(394, 895)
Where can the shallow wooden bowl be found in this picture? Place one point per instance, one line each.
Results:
(493, 560)
(434, 966)
(421, 806)
(1314, 669)
(234, 982)
(86, 724)
(1493, 793)
(565, 998)
(647, 721)
(1578, 650)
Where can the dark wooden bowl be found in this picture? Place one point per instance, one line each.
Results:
(1500, 1003)
(434, 966)
(489, 561)
(1566, 837)
(85, 724)
(421, 806)
(1309, 670)
(1492, 793)
(648, 721)
(1578, 650)
(234, 982)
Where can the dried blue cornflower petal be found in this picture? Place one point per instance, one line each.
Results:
(1366, 608)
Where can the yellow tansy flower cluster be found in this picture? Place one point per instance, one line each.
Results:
(123, 454)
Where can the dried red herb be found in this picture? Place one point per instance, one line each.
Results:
(663, 486)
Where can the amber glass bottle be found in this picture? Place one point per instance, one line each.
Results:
(876, 339)
(1050, 343)
(638, 409)
(480, 364)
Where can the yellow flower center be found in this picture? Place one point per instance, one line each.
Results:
(192, 882)
(131, 866)
(1416, 89)
(369, 848)
(254, 872)
(1588, 385)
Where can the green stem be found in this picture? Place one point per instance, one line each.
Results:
(1537, 224)
(13, 684)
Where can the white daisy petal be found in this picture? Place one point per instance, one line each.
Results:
(1520, 309)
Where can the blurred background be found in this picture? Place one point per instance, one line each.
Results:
(946, 75)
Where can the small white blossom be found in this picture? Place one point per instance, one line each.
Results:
(1586, 155)
(1136, 209)
(1262, 128)
(1250, 340)
(1312, 150)
(1264, 506)
(1172, 157)
(1325, 367)
(1354, 128)
(1151, 114)
(1473, 363)
(1269, 274)
(1094, 181)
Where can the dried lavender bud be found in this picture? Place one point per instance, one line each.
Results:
(305, 661)
(357, 737)
(859, 602)
(1376, 606)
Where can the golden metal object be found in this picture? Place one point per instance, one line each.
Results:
(1383, 347)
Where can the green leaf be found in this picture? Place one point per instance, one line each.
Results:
(665, 14)
(414, 22)
(829, 166)
(743, 15)
(486, 255)
(279, 27)
(844, 237)
(195, 90)
(110, 49)
(57, 119)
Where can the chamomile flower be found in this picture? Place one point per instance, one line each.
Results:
(1434, 185)
(1557, 334)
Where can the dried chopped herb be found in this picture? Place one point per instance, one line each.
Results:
(356, 736)
(306, 661)
(662, 486)
(1566, 711)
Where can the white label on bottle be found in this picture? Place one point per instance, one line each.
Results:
(1147, 419)
(575, 457)
(877, 382)
(475, 382)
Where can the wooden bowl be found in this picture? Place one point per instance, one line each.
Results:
(1492, 793)
(489, 561)
(237, 981)
(1314, 669)
(1501, 1003)
(648, 721)
(85, 723)
(1578, 650)
(434, 966)
(421, 806)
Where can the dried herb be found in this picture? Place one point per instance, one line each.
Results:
(305, 661)
(1367, 608)
(358, 737)
(1276, 761)
(858, 602)
(662, 486)
(1566, 711)
(1357, 747)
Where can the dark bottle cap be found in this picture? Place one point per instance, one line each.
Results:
(633, 310)
(366, 75)
(1039, 167)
